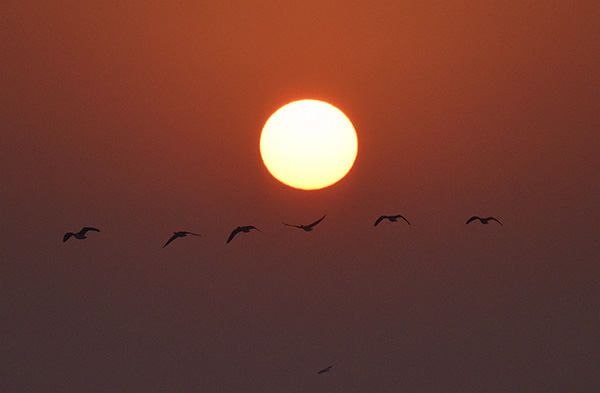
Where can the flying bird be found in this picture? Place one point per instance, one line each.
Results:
(179, 234)
(307, 228)
(483, 220)
(391, 218)
(324, 370)
(245, 229)
(80, 234)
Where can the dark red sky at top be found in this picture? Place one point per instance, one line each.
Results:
(144, 118)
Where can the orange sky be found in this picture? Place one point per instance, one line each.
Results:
(144, 118)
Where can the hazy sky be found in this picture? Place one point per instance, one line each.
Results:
(143, 117)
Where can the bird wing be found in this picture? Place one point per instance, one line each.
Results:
(379, 220)
(402, 217)
(324, 370)
(492, 218)
(67, 236)
(170, 240)
(316, 222)
(471, 219)
(233, 233)
(85, 229)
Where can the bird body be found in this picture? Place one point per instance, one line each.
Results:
(326, 369)
(308, 227)
(244, 229)
(79, 235)
(391, 218)
(179, 234)
(483, 220)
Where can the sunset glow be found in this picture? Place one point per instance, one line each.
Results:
(146, 248)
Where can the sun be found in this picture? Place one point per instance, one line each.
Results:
(308, 144)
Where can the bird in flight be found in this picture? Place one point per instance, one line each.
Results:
(483, 220)
(308, 227)
(80, 234)
(179, 234)
(245, 229)
(326, 369)
(391, 218)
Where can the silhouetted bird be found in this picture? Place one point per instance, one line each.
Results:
(391, 218)
(179, 234)
(80, 234)
(307, 228)
(324, 370)
(237, 230)
(483, 220)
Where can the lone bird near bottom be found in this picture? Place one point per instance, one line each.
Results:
(326, 369)
(179, 234)
(244, 229)
(391, 218)
(308, 227)
(79, 235)
(483, 220)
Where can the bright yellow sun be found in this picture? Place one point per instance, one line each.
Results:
(308, 144)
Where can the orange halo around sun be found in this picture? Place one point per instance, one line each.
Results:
(308, 144)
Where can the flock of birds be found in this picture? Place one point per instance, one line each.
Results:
(247, 228)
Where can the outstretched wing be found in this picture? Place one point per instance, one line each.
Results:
(324, 370)
(316, 222)
(402, 217)
(492, 218)
(170, 240)
(471, 219)
(67, 236)
(233, 233)
(379, 220)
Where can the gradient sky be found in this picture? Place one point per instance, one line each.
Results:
(143, 117)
